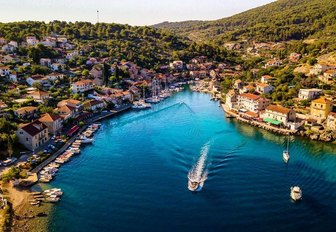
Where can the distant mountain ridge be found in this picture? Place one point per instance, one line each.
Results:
(277, 21)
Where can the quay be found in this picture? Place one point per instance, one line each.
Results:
(74, 137)
(232, 114)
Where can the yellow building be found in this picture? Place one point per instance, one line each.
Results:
(320, 109)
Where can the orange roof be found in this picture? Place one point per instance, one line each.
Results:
(322, 100)
(262, 85)
(250, 96)
(279, 109)
(49, 118)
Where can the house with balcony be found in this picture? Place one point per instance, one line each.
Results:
(252, 102)
(33, 135)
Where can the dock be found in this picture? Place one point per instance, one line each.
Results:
(74, 137)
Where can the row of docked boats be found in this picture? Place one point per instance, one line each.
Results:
(50, 195)
(48, 173)
(157, 96)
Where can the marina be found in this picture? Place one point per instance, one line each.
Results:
(242, 186)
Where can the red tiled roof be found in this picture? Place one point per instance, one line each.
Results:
(34, 128)
(50, 118)
(250, 96)
(279, 109)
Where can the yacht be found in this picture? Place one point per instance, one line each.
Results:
(140, 105)
(296, 193)
(86, 140)
(153, 100)
(285, 154)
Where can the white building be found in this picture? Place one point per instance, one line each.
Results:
(310, 94)
(82, 86)
(31, 41)
(253, 103)
(33, 135)
(279, 115)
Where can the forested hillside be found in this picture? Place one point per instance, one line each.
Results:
(277, 21)
(146, 46)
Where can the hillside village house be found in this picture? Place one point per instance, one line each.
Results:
(231, 100)
(277, 115)
(328, 76)
(4, 71)
(31, 41)
(331, 121)
(70, 102)
(93, 105)
(33, 135)
(55, 76)
(37, 79)
(263, 88)
(251, 102)
(321, 68)
(266, 79)
(53, 122)
(273, 63)
(320, 109)
(66, 112)
(45, 62)
(25, 111)
(39, 95)
(177, 64)
(238, 84)
(82, 86)
(309, 94)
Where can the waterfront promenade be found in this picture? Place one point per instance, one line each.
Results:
(74, 137)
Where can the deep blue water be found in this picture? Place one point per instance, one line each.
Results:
(134, 176)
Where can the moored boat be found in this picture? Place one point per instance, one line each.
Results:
(296, 193)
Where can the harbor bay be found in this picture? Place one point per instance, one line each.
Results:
(134, 177)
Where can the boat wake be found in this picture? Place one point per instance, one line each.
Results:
(198, 174)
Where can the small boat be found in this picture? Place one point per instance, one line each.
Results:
(36, 203)
(52, 199)
(296, 193)
(285, 154)
(196, 185)
(86, 140)
(140, 105)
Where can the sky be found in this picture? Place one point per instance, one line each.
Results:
(133, 12)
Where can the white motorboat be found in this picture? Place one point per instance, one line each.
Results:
(296, 193)
(153, 100)
(140, 105)
(285, 154)
(86, 140)
(196, 185)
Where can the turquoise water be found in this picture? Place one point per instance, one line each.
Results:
(134, 176)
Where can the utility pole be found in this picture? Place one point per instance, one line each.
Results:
(97, 16)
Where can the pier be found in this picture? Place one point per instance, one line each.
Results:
(74, 137)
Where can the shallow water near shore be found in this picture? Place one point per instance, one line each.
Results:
(134, 176)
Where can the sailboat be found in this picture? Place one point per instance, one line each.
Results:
(285, 154)
(155, 89)
(141, 104)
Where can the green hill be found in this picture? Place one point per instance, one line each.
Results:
(278, 21)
